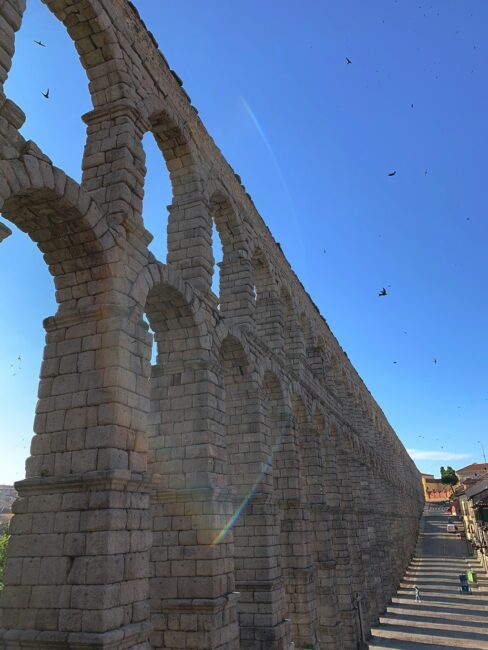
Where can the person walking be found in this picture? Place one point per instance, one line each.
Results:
(417, 594)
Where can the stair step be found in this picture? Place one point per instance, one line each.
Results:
(439, 582)
(450, 595)
(443, 603)
(434, 573)
(397, 644)
(445, 619)
(440, 637)
(439, 613)
(431, 623)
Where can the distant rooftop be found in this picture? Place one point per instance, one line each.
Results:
(473, 468)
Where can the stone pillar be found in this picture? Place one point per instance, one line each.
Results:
(269, 321)
(295, 344)
(345, 548)
(259, 578)
(190, 241)
(324, 503)
(261, 605)
(380, 523)
(12, 144)
(372, 585)
(317, 362)
(299, 570)
(11, 12)
(193, 598)
(236, 288)
(113, 161)
(77, 569)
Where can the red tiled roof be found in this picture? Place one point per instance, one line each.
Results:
(472, 467)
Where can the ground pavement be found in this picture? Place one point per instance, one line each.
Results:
(444, 618)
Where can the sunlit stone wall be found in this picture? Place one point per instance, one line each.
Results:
(245, 490)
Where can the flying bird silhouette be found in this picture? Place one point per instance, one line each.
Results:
(435, 360)
(391, 173)
(39, 43)
(348, 61)
(46, 94)
(383, 292)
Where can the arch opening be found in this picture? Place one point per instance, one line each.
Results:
(53, 282)
(230, 277)
(218, 259)
(51, 121)
(157, 196)
(28, 296)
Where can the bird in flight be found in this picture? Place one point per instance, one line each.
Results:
(435, 360)
(46, 94)
(39, 43)
(383, 292)
(391, 173)
(395, 362)
(348, 61)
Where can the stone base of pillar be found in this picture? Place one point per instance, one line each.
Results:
(330, 636)
(203, 623)
(300, 587)
(57, 595)
(133, 637)
(261, 621)
(266, 638)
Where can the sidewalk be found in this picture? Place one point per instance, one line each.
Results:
(444, 618)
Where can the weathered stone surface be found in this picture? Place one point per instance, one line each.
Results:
(245, 491)
(4, 232)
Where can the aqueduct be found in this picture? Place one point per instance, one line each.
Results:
(243, 491)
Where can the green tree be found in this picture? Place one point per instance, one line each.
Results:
(448, 477)
(4, 537)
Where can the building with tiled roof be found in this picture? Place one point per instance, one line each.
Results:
(475, 470)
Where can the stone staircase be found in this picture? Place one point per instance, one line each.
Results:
(444, 618)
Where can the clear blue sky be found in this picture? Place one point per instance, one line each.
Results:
(313, 140)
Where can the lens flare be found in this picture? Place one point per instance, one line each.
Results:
(264, 138)
(232, 520)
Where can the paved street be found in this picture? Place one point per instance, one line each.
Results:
(444, 618)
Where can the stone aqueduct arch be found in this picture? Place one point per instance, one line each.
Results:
(245, 490)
